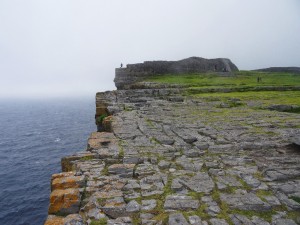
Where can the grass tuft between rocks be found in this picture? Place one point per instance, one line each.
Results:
(102, 221)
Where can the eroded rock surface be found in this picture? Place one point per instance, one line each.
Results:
(170, 159)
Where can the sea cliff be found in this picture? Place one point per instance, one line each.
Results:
(175, 151)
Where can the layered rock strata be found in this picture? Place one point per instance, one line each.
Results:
(168, 159)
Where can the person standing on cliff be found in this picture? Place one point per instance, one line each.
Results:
(121, 65)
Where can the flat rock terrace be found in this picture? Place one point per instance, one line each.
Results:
(170, 151)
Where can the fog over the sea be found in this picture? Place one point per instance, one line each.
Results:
(51, 48)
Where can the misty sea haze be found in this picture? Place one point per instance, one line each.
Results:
(34, 136)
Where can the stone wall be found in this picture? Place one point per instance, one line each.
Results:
(126, 77)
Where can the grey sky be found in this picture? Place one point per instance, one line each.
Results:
(71, 47)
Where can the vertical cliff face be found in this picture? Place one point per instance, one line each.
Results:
(126, 77)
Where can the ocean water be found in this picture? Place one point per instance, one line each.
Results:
(34, 136)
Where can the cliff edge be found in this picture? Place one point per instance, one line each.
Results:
(170, 156)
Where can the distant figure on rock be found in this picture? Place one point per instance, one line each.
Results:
(121, 65)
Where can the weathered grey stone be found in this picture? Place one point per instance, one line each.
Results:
(213, 210)
(95, 213)
(240, 220)
(143, 170)
(132, 159)
(216, 172)
(180, 202)
(192, 153)
(236, 161)
(212, 164)
(272, 200)
(177, 219)
(242, 170)
(202, 146)
(165, 140)
(120, 221)
(218, 222)
(122, 170)
(281, 174)
(133, 206)
(195, 220)
(148, 204)
(253, 182)
(284, 222)
(73, 219)
(201, 182)
(220, 148)
(131, 184)
(287, 201)
(147, 219)
(115, 208)
(163, 164)
(258, 221)
(176, 185)
(225, 181)
(132, 195)
(248, 201)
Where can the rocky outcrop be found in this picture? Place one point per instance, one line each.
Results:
(166, 158)
(280, 69)
(66, 194)
(127, 77)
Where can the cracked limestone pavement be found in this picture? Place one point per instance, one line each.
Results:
(169, 159)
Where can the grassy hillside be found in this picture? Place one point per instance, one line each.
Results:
(240, 89)
(240, 79)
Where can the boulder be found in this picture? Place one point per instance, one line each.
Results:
(65, 182)
(64, 201)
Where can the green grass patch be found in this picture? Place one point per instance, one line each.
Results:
(136, 220)
(265, 215)
(245, 185)
(216, 195)
(263, 98)
(86, 158)
(155, 141)
(294, 215)
(230, 189)
(258, 175)
(102, 221)
(158, 211)
(196, 195)
(201, 212)
(163, 217)
(263, 193)
(101, 201)
(149, 123)
(295, 198)
(121, 152)
(105, 172)
(239, 79)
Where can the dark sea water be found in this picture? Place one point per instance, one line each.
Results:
(34, 135)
